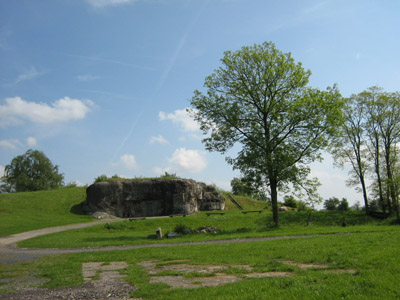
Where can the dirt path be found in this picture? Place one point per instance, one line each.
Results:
(15, 238)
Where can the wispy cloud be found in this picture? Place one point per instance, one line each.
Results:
(158, 139)
(16, 110)
(104, 3)
(87, 77)
(110, 61)
(179, 47)
(4, 35)
(30, 74)
(314, 8)
(10, 144)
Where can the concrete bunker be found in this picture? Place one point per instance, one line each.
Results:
(152, 197)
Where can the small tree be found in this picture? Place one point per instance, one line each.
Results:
(32, 171)
(331, 203)
(343, 205)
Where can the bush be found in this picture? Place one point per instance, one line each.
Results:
(182, 229)
(302, 206)
(101, 178)
(290, 201)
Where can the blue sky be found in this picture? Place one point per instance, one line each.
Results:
(101, 86)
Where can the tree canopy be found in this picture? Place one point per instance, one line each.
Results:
(259, 99)
(32, 171)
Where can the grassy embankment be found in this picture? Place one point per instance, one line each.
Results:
(20, 212)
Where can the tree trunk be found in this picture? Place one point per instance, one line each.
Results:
(378, 175)
(274, 200)
(364, 190)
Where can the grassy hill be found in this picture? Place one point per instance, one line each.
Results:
(20, 212)
(246, 202)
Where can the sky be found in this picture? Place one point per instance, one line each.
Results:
(101, 86)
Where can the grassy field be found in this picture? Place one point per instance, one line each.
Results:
(372, 255)
(20, 212)
(370, 250)
(233, 224)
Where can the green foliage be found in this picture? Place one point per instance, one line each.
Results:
(101, 178)
(32, 171)
(259, 98)
(169, 176)
(331, 203)
(343, 205)
(182, 229)
(241, 186)
(104, 177)
(290, 201)
(302, 206)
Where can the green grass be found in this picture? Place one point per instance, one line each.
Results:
(20, 212)
(373, 255)
(233, 224)
(246, 202)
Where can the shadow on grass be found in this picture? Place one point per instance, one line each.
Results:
(77, 209)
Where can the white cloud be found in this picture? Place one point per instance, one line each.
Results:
(161, 171)
(181, 118)
(16, 110)
(32, 73)
(158, 139)
(1, 171)
(104, 3)
(10, 144)
(87, 77)
(187, 160)
(31, 142)
(129, 161)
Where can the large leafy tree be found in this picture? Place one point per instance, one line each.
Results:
(259, 99)
(32, 171)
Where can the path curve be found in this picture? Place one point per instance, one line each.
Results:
(18, 237)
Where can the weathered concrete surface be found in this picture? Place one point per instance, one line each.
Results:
(153, 197)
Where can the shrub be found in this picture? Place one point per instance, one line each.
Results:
(101, 178)
(290, 201)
